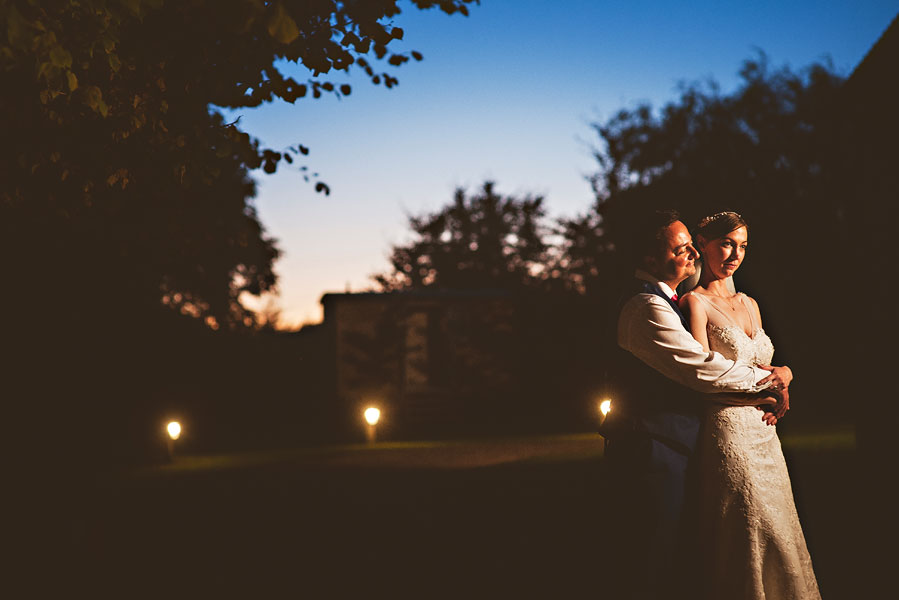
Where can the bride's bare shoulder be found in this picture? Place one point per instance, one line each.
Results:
(748, 299)
(691, 299)
(752, 303)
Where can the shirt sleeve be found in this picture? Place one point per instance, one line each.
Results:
(649, 329)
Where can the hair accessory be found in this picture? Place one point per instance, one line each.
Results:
(711, 219)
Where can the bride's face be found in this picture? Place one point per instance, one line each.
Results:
(724, 255)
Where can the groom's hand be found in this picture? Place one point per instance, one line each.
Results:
(780, 377)
(783, 402)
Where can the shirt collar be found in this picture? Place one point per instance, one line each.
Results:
(641, 274)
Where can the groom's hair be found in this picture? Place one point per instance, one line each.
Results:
(646, 233)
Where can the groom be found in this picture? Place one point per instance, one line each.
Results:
(652, 428)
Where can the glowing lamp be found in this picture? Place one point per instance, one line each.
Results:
(174, 429)
(372, 415)
(605, 406)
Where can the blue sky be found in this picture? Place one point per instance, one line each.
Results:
(506, 94)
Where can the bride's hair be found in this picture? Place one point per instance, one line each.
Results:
(719, 225)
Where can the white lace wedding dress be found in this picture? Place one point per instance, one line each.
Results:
(751, 528)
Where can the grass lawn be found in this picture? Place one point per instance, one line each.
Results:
(500, 518)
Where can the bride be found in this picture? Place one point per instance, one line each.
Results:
(751, 528)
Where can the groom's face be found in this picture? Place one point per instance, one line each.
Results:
(675, 257)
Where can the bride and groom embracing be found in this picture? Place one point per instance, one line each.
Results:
(704, 507)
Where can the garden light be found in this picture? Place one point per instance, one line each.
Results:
(372, 415)
(605, 406)
(174, 429)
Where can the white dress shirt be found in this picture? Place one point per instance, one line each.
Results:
(650, 329)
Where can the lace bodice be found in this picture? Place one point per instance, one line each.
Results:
(732, 342)
(727, 336)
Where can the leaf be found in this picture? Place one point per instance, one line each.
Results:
(44, 69)
(94, 96)
(397, 33)
(345, 89)
(60, 57)
(133, 6)
(303, 149)
(72, 80)
(282, 27)
(321, 187)
(417, 55)
(17, 28)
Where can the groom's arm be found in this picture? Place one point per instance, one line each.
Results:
(763, 398)
(649, 329)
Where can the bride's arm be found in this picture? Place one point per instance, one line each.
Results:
(697, 318)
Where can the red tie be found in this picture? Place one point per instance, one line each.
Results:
(674, 298)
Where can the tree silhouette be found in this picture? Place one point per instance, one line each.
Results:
(478, 242)
(112, 144)
(126, 198)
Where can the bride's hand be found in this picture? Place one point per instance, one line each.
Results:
(768, 417)
(780, 377)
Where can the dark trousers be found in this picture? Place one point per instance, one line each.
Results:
(651, 526)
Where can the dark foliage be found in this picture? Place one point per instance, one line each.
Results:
(113, 157)
(126, 199)
(482, 241)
